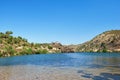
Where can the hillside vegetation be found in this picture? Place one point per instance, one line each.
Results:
(11, 46)
(108, 41)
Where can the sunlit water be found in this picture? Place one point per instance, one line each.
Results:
(72, 66)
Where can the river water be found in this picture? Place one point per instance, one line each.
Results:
(65, 66)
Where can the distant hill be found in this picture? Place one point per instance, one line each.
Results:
(11, 46)
(108, 41)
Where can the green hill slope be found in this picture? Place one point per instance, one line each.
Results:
(108, 41)
(11, 46)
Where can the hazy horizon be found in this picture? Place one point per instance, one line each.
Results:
(65, 21)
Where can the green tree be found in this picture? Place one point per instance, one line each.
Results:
(50, 47)
(26, 51)
(20, 37)
(9, 32)
(9, 50)
(104, 50)
(44, 51)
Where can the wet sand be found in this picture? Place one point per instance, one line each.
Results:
(32, 72)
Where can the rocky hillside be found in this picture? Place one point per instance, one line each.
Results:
(108, 41)
(11, 46)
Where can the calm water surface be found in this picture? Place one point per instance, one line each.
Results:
(86, 65)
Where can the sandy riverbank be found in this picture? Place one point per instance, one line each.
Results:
(31, 72)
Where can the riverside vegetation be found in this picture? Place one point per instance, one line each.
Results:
(108, 41)
(11, 46)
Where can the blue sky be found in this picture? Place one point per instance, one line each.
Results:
(66, 21)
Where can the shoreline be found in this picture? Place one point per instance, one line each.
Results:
(33, 72)
(64, 53)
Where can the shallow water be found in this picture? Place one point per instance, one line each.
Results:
(73, 66)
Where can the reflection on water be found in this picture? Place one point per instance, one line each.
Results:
(78, 66)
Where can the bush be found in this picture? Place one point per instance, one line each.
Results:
(50, 47)
(44, 51)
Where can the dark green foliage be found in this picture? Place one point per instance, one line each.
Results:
(41, 51)
(9, 50)
(44, 51)
(50, 47)
(19, 37)
(9, 32)
(28, 51)
(104, 50)
(1, 41)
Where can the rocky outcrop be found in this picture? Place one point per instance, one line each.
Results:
(61, 48)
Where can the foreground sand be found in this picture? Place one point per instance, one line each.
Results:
(32, 72)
